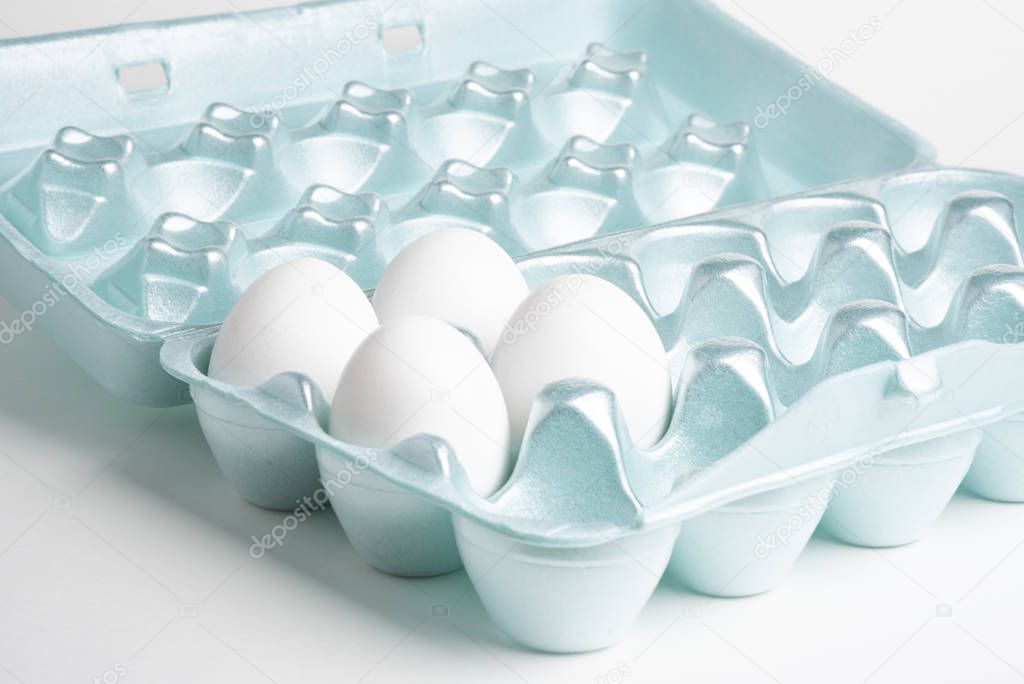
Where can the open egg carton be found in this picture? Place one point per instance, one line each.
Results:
(845, 357)
(149, 173)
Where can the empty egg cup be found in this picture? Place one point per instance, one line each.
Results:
(563, 600)
(895, 498)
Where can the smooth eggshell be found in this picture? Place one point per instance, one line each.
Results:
(418, 375)
(456, 275)
(305, 316)
(580, 326)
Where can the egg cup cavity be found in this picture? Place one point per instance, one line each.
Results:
(393, 529)
(181, 272)
(608, 96)
(586, 190)
(997, 472)
(893, 499)
(359, 142)
(267, 464)
(460, 195)
(563, 600)
(703, 165)
(78, 187)
(225, 167)
(748, 547)
(328, 224)
(484, 118)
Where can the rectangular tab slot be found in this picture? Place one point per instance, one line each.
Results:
(402, 39)
(147, 78)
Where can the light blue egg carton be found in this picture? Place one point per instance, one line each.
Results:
(149, 172)
(842, 358)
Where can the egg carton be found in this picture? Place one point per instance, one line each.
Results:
(845, 357)
(146, 179)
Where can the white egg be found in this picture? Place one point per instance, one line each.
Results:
(456, 275)
(580, 326)
(305, 316)
(417, 375)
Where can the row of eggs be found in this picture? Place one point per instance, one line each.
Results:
(454, 344)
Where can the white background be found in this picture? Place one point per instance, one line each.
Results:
(123, 551)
